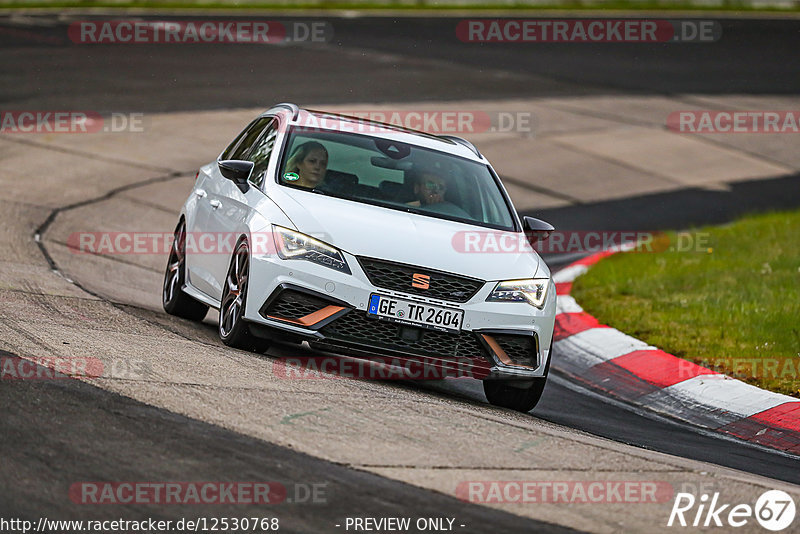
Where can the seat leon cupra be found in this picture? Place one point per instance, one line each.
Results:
(355, 236)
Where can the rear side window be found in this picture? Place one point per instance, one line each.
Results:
(261, 153)
(244, 141)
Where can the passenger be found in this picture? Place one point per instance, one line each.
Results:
(307, 165)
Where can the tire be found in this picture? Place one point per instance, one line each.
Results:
(233, 330)
(173, 299)
(502, 393)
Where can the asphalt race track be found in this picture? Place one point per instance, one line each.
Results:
(55, 433)
(755, 56)
(90, 419)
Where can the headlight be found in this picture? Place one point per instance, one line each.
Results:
(531, 290)
(293, 245)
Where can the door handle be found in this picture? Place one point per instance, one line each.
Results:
(215, 204)
(200, 193)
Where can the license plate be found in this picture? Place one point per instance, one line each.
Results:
(415, 313)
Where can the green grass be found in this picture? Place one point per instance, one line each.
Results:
(732, 305)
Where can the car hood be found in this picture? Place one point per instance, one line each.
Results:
(394, 235)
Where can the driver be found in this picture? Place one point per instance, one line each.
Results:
(429, 188)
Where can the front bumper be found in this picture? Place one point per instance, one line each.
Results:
(498, 340)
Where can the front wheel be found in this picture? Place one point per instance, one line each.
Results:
(174, 300)
(233, 330)
(503, 393)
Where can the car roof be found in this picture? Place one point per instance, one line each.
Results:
(324, 120)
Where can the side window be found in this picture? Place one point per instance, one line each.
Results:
(236, 141)
(261, 152)
(241, 145)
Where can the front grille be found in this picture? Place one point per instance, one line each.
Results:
(521, 350)
(292, 304)
(356, 328)
(399, 277)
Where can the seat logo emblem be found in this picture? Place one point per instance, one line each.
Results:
(421, 281)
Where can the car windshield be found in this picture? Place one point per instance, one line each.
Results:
(395, 175)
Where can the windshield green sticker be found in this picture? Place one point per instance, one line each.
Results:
(291, 176)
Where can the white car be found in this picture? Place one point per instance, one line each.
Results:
(345, 233)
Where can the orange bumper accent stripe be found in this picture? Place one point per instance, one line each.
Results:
(500, 353)
(311, 318)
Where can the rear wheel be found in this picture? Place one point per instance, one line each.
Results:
(174, 300)
(233, 330)
(524, 399)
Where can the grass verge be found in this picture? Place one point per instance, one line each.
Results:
(731, 303)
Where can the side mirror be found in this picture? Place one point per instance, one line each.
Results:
(236, 170)
(537, 229)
